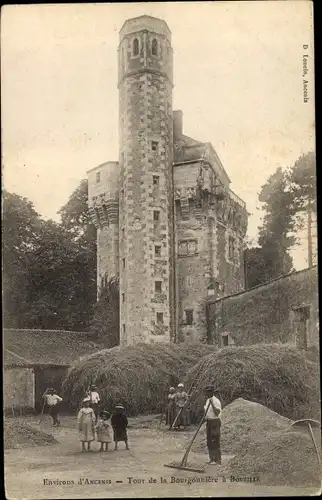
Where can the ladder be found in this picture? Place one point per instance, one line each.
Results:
(193, 388)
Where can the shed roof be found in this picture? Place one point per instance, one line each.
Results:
(45, 347)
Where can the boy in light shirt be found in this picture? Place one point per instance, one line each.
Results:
(213, 424)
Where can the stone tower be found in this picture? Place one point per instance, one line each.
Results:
(146, 184)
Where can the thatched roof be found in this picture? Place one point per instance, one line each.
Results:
(45, 347)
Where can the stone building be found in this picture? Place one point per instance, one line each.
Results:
(167, 222)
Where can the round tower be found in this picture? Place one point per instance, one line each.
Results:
(146, 185)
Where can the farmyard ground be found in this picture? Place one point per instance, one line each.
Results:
(106, 475)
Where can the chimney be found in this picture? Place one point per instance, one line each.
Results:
(177, 124)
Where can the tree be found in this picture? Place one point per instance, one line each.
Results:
(21, 225)
(105, 325)
(286, 196)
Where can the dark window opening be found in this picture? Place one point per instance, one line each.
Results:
(98, 176)
(160, 318)
(123, 297)
(154, 145)
(178, 209)
(157, 251)
(123, 328)
(154, 47)
(158, 286)
(135, 47)
(123, 262)
(156, 215)
(189, 316)
(156, 180)
(225, 340)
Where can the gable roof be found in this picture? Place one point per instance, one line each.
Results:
(45, 347)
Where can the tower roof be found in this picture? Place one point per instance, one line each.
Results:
(145, 23)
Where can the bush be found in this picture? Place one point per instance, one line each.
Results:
(278, 376)
(136, 376)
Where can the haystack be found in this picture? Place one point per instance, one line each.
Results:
(278, 376)
(285, 459)
(137, 376)
(19, 435)
(244, 422)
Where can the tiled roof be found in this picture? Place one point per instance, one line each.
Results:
(45, 347)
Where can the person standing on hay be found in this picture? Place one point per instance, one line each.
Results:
(119, 423)
(95, 399)
(171, 410)
(181, 401)
(213, 425)
(86, 424)
(103, 430)
(52, 400)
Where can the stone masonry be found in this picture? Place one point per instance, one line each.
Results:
(167, 223)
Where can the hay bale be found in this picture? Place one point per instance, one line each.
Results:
(19, 435)
(278, 376)
(243, 422)
(280, 459)
(136, 376)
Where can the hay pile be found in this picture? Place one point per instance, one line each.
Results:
(136, 376)
(19, 435)
(244, 422)
(284, 459)
(278, 376)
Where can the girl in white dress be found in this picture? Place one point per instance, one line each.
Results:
(86, 424)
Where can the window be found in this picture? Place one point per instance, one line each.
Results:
(178, 209)
(123, 232)
(123, 297)
(231, 248)
(123, 263)
(187, 247)
(123, 328)
(189, 316)
(98, 177)
(157, 251)
(154, 47)
(160, 318)
(135, 49)
(225, 340)
(156, 215)
(154, 145)
(156, 180)
(158, 286)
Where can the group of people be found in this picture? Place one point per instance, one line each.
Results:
(177, 411)
(100, 423)
(93, 422)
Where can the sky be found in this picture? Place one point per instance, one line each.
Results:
(238, 76)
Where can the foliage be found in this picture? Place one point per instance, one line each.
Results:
(137, 376)
(278, 376)
(285, 197)
(105, 324)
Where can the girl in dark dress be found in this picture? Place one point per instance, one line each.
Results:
(119, 423)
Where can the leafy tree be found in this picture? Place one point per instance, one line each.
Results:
(105, 325)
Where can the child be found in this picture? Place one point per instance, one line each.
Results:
(86, 424)
(119, 423)
(103, 430)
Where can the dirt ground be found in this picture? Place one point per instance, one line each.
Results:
(63, 471)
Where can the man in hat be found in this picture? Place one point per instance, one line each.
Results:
(213, 424)
(95, 399)
(52, 400)
(181, 401)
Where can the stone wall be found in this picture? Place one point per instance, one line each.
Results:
(268, 313)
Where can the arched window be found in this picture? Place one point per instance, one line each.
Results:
(154, 47)
(135, 50)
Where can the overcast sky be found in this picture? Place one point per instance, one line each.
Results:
(238, 79)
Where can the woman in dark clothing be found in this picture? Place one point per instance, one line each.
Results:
(119, 423)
